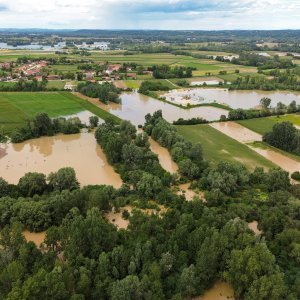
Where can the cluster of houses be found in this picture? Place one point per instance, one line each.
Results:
(111, 73)
(32, 69)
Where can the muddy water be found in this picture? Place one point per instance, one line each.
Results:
(235, 99)
(36, 237)
(283, 161)
(135, 106)
(84, 117)
(220, 291)
(184, 189)
(164, 157)
(245, 135)
(48, 154)
(237, 132)
(253, 226)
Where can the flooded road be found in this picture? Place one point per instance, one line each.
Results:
(164, 156)
(220, 291)
(48, 154)
(36, 237)
(234, 99)
(245, 136)
(135, 106)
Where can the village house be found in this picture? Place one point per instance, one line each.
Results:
(131, 75)
(89, 75)
(113, 68)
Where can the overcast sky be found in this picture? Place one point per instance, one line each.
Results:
(151, 14)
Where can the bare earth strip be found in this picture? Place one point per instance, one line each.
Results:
(245, 136)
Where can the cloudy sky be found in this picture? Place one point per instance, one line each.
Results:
(151, 14)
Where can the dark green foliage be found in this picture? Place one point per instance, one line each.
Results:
(150, 86)
(105, 92)
(63, 179)
(296, 176)
(42, 125)
(31, 184)
(192, 121)
(284, 136)
(165, 71)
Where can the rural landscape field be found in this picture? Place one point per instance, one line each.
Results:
(161, 162)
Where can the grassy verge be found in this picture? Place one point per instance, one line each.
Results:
(219, 147)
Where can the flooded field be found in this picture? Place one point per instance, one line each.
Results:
(234, 99)
(164, 156)
(237, 132)
(135, 106)
(220, 291)
(48, 154)
(36, 237)
(245, 135)
(84, 117)
(283, 161)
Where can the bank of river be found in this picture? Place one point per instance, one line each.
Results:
(220, 291)
(234, 99)
(246, 136)
(135, 106)
(48, 154)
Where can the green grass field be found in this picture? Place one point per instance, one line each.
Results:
(264, 125)
(16, 107)
(219, 147)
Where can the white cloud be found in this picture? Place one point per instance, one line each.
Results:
(151, 14)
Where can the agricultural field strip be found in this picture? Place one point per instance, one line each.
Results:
(218, 146)
(246, 136)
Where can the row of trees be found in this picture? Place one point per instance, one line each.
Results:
(43, 125)
(265, 111)
(130, 153)
(105, 92)
(165, 71)
(189, 157)
(150, 86)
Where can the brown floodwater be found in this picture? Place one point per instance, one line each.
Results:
(220, 291)
(253, 226)
(48, 154)
(283, 161)
(164, 156)
(235, 99)
(237, 132)
(245, 135)
(135, 106)
(84, 117)
(184, 189)
(36, 237)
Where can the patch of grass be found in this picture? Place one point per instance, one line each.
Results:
(264, 125)
(219, 147)
(16, 107)
(132, 84)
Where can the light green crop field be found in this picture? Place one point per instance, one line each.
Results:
(132, 84)
(16, 107)
(264, 125)
(219, 147)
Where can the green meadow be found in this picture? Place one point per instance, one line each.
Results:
(264, 125)
(16, 107)
(219, 147)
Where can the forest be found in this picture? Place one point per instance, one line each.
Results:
(174, 255)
